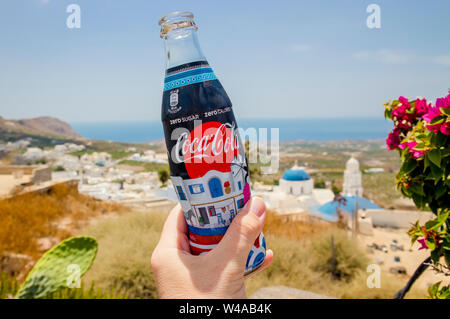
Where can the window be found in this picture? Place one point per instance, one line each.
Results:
(204, 215)
(240, 185)
(196, 188)
(215, 188)
(181, 194)
(240, 203)
(211, 211)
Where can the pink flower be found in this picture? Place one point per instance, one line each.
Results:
(421, 107)
(399, 111)
(393, 139)
(445, 128)
(404, 101)
(432, 113)
(416, 154)
(443, 102)
(410, 145)
(423, 242)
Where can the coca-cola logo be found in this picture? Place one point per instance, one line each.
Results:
(209, 146)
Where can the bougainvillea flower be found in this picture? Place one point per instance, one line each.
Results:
(416, 153)
(410, 145)
(393, 139)
(423, 242)
(443, 102)
(399, 111)
(404, 101)
(432, 113)
(421, 107)
(445, 128)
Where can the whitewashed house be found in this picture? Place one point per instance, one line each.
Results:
(213, 199)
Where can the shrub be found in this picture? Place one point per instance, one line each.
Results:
(163, 176)
(125, 247)
(421, 137)
(24, 218)
(59, 168)
(90, 293)
(320, 183)
(8, 286)
(349, 259)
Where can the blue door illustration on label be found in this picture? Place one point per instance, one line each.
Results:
(215, 187)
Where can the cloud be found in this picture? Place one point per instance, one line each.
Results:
(385, 56)
(442, 60)
(301, 48)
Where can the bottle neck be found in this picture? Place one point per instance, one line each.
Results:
(182, 47)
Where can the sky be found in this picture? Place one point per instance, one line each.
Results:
(276, 59)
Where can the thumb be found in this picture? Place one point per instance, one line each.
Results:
(243, 231)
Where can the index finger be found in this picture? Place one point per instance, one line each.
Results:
(175, 230)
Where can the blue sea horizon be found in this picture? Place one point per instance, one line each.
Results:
(329, 129)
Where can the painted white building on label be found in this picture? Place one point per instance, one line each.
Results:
(352, 179)
(212, 200)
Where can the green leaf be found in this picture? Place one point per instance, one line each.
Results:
(445, 152)
(408, 166)
(437, 120)
(52, 271)
(426, 163)
(436, 223)
(433, 290)
(441, 190)
(418, 200)
(435, 157)
(445, 110)
(436, 172)
(431, 245)
(417, 188)
(435, 255)
(441, 140)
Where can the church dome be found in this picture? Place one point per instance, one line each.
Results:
(352, 165)
(296, 174)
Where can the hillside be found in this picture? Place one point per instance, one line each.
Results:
(44, 126)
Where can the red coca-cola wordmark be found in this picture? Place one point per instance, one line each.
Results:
(210, 146)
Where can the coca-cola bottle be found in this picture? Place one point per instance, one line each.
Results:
(208, 166)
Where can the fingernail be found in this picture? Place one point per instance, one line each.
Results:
(257, 206)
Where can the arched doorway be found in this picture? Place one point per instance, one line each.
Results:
(215, 187)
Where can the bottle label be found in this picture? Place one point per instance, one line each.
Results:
(209, 168)
(196, 73)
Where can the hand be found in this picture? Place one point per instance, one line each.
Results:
(217, 274)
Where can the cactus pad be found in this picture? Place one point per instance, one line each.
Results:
(52, 271)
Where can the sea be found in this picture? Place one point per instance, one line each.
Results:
(328, 129)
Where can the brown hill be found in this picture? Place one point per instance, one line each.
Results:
(47, 126)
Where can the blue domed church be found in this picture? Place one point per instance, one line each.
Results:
(296, 181)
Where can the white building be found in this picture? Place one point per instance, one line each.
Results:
(213, 199)
(34, 153)
(149, 156)
(352, 178)
(296, 181)
(99, 158)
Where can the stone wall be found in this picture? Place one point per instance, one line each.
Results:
(395, 218)
(41, 175)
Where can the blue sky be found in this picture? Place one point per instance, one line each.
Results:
(284, 59)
